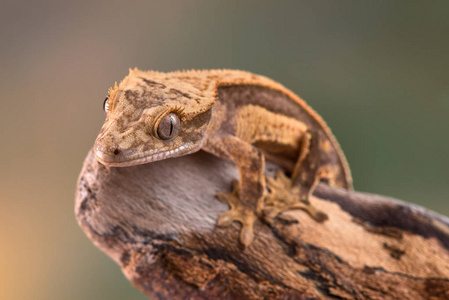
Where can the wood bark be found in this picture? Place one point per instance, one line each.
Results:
(158, 222)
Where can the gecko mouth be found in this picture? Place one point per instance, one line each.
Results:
(152, 155)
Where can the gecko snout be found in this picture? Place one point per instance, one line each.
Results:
(108, 156)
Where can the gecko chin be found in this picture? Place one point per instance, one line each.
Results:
(132, 159)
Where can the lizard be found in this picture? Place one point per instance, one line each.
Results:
(234, 115)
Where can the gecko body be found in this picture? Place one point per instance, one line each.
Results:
(235, 115)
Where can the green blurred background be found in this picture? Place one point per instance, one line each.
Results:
(377, 71)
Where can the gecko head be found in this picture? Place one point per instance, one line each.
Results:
(147, 121)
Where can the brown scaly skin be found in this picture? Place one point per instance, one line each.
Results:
(234, 115)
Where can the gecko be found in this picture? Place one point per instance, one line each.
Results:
(235, 115)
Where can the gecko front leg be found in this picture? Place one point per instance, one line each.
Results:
(245, 200)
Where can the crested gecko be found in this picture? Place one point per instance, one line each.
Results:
(234, 115)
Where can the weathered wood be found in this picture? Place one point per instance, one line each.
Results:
(157, 221)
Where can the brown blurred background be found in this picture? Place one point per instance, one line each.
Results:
(377, 71)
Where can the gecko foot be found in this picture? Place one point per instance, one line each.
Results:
(239, 213)
(283, 196)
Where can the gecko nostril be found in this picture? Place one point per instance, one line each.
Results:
(117, 151)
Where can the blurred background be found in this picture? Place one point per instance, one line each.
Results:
(377, 71)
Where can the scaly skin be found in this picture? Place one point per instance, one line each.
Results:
(234, 115)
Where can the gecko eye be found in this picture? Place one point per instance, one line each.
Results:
(106, 105)
(168, 127)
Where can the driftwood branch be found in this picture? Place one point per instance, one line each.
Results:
(157, 221)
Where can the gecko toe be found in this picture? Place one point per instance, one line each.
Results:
(283, 197)
(247, 235)
(237, 213)
(226, 219)
(225, 197)
(242, 216)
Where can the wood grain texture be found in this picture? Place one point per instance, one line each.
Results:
(157, 221)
